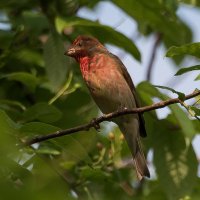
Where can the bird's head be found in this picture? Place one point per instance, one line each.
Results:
(84, 46)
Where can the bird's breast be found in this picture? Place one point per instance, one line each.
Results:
(107, 86)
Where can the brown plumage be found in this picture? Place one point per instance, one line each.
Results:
(112, 89)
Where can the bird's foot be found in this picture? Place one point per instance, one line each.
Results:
(95, 124)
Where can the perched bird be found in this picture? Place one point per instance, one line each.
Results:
(112, 89)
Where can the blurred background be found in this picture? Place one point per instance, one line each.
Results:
(42, 91)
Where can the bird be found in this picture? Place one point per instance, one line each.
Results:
(112, 89)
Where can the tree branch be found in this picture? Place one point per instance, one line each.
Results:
(107, 117)
(153, 55)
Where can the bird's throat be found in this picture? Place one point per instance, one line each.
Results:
(84, 65)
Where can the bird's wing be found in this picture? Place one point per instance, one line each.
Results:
(128, 79)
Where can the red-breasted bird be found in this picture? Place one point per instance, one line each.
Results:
(112, 89)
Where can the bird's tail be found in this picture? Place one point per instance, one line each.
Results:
(140, 162)
(131, 134)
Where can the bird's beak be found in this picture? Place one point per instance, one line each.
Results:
(70, 52)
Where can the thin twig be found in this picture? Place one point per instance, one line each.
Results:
(107, 117)
(152, 57)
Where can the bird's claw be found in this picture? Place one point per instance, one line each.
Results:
(95, 124)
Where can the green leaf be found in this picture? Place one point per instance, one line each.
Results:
(181, 117)
(192, 2)
(35, 22)
(8, 126)
(190, 110)
(197, 98)
(76, 148)
(187, 69)
(153, 92)
(197, 78)
(158, 18)
(95, 174)
(68, 164)
(175, 162)
(180, 94)
(192, 49)
(196, 110)
(29, 80)
(30, 56)
(56, 64)
(9, 130)
(37, 128)
(19, 170)
(104, 33)
(174, 157)
(43, 112)
(12, 103)
(155, 191)
(15, 4)
(65, 89)
(45, 149)
(6, 38)
(184, 122)
(196, 192)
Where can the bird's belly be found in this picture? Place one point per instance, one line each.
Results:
(108, 94)
(104, 97)
(105, 103)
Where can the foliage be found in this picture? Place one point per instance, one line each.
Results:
(41, 92)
